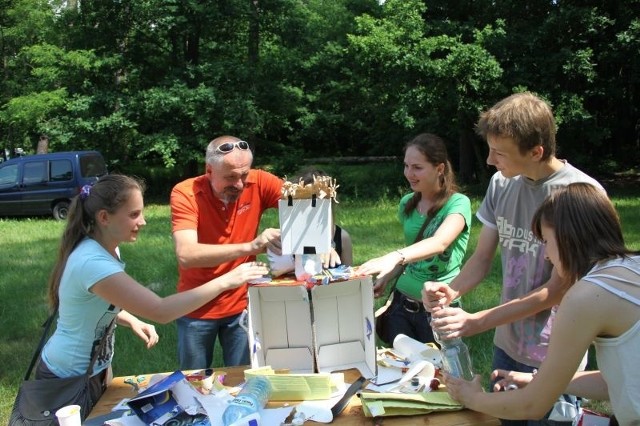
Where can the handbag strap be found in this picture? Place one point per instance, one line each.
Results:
(43, 339)
(418, 238)
(46, 326)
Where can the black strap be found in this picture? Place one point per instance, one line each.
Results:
(46, 326)
(422, 228)
(344, 401)
(337, 240)
(43, 339)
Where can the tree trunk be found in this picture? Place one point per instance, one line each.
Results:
(472, 159)
(192, 48)
(43, 145)
(254, 33)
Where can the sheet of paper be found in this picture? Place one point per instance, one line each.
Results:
(298, 387)
(122, 405)
(398, 404)
(271, 416)
(414, 369)
(320, 410)
(386, 375)
(414, 350)
(125, 421)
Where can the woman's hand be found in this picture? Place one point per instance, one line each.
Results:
(462, 390)
(331, 259)
(146, 332)
(382, 267)
(244, 273)
(507, 380)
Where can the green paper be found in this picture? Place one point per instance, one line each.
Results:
(399, 404)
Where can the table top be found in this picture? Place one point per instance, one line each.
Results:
(351, 416)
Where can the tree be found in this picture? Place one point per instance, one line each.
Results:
(154, 80)
(421, 82)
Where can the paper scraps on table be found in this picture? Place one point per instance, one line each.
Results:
(398, 404)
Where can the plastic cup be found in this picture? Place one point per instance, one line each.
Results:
(69, 416)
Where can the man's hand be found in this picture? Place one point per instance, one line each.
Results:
(436, 294)
(268, 239)
(453, 322)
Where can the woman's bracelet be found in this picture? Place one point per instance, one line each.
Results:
(403, 260)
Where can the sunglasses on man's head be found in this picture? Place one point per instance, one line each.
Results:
(227, 147)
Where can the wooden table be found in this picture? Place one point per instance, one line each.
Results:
(351, 416)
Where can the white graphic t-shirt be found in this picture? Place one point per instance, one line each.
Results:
(508, 206)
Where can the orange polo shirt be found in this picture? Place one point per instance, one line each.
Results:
(193, 206)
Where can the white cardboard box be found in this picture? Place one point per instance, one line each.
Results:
(305, 225)
(327, 328)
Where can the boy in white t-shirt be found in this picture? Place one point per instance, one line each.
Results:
(520, 132)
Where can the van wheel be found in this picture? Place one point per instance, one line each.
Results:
(61, 210)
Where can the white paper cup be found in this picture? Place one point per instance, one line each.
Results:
(69, 416)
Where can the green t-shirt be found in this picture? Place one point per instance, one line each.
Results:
(443, 267)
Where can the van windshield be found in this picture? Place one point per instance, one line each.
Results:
(92, 166)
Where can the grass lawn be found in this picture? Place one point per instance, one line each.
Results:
(28, 247)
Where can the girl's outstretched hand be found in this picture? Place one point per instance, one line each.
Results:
(146, 332)
(244, 273)
(462, 390)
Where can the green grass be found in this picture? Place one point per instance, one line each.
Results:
(28, 249)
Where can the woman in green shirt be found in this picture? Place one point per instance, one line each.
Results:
(435, 255)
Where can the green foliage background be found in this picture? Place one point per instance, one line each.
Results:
(152, 81)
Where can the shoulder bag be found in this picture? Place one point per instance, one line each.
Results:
(382, 315)
(38, 400)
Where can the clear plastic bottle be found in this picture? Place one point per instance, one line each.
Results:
(456, 359)
(253, 396)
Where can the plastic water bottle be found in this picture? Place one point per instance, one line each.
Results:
(253, 397)
(456, 359)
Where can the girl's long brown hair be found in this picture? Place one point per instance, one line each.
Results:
(586, 225)
(435, 151)
(109, 193)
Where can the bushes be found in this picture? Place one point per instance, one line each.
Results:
(361, 181)
(159, 180)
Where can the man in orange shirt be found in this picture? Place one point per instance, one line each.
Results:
(215, 219)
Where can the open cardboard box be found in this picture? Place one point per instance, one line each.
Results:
(324, 329)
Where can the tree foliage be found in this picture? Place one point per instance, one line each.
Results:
(152, 81)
